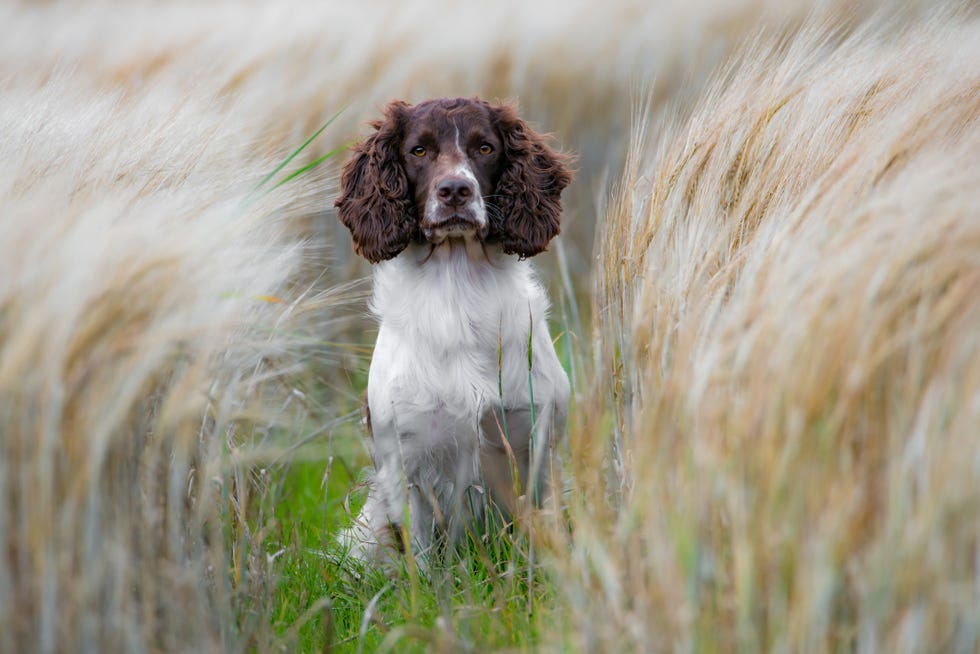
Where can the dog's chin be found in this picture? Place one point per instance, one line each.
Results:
(453, 226)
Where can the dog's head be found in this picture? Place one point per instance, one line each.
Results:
(452, 168)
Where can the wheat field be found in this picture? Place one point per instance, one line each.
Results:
(788, 304)
(767, 295)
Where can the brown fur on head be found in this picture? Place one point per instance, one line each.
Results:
(527, 199)
(375, 203)
(447, 167)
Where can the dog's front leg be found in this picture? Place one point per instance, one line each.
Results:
(399, 513)
(376, 535)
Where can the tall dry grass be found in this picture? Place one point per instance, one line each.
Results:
(787, 312)
(142, 282)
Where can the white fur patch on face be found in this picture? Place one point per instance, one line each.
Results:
(474, 210)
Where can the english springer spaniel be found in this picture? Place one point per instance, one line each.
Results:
(448, 198)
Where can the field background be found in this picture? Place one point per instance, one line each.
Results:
(767, 295)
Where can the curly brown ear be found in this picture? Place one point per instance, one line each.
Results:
(374, 201)
(526, 212)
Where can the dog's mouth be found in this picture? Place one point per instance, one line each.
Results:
(455, 222)
(453, 225)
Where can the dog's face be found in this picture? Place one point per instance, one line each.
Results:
(452, 157)
(452, 168)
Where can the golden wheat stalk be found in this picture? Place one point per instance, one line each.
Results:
(788, 302)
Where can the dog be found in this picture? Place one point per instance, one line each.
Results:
(448, 199)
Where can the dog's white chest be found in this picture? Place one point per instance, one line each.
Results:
(452, 343)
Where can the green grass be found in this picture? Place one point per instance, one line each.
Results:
(476, 597)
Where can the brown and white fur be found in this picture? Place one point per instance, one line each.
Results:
(448, 198)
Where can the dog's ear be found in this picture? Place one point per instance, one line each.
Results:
(527, 199)
(374, 201)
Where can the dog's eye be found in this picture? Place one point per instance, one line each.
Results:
(418, 151)
(486, 148)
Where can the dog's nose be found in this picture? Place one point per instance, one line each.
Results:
(455, 191)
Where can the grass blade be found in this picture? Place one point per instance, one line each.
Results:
(265, 180)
